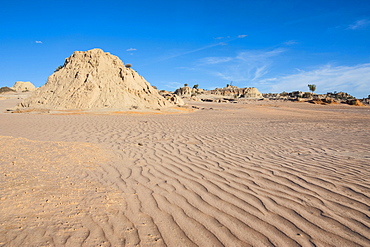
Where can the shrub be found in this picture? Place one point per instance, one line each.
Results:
(58, 68)
(128, 65)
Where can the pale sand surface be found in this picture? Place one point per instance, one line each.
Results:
(258, 174)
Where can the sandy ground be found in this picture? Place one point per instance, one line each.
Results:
(257, 174)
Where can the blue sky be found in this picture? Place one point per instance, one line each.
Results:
(269, 44)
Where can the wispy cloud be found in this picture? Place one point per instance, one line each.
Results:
(215, 60)
(227, 37)
(258, 56)
(359, 24)
(38, 42)
(259, 72)
(172, 85)
(224, 42)
(191, 51)
(351, 79)
(253, 67)
(290, 42)
(131, 49)
(247, 66)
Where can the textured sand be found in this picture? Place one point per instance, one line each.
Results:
(261, 174)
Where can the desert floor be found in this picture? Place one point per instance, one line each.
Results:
(256, 174)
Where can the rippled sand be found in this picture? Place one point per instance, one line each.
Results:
(258, 174)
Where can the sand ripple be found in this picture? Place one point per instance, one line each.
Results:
(251, 176)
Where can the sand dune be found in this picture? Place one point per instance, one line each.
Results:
(271, 174)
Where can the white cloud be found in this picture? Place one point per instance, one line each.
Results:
(191, 51)
(290, 42)
(225, 42)
(226, 76)
(354, 80)
(360, 24)
(242, 36)
(38, 42)
(215, 60)
(227, 37)
(252, 65)
(131, 49)
(171, 86)
(258, 56)
(246, 67)
(260, 71)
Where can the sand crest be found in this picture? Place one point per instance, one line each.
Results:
(261, 174)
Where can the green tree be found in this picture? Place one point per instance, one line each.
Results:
(185, 85)
(196, 86)
(312, 87)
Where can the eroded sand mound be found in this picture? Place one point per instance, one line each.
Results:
(95, 80)
(248, 92)
(24, 86)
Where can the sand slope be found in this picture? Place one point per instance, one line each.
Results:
(236, 175)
